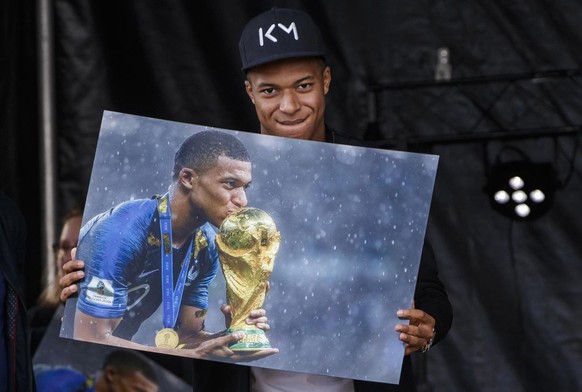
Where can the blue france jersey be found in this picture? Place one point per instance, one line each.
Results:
(121, 249)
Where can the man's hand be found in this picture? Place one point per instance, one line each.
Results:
(418, 332)
(257, 317)
(217, 348)
(73, 273)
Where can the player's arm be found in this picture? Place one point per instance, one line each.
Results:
(94, 329)
(191, 323)
(208, 345)
(190, 326)
(100, 330)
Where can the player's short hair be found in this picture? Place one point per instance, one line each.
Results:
(201, 151)
(127, 361)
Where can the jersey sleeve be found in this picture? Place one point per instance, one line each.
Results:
(112, 245)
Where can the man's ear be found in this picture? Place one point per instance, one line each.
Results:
(187, 177)
(326, 79)
(249, 90)
(109, 373)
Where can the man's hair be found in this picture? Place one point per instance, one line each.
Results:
(73, 212)
(127, 361)
(201, 151)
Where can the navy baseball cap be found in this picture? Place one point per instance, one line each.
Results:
(277, 34)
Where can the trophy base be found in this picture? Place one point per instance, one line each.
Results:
(254, 340)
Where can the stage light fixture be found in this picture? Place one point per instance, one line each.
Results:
(521, 190)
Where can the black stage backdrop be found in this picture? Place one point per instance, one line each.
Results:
(515, 82)
(19, 152)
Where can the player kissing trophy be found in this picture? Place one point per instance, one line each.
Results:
(247, 243)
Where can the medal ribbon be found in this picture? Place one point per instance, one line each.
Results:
(171, 297)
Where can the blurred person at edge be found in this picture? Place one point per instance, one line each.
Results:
(15, 360)
(49, 302)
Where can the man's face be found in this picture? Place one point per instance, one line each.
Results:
(221, 190)
(289, 97)
(67, 241)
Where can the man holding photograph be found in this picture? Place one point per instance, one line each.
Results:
(170, 238)
(287, 79)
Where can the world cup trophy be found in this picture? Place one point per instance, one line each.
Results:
(247, 243)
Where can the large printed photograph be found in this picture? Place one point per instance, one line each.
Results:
(253, 249)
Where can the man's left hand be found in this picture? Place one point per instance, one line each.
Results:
(257, 317)
(419, 330)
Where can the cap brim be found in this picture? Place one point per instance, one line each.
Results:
(282, 56)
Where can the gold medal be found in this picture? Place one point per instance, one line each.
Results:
(167, 338)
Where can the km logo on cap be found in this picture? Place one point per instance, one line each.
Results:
(269, 34)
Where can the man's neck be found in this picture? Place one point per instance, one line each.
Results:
(184, 221)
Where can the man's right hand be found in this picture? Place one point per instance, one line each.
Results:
(73, 273)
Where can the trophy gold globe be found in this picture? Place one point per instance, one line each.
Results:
(247, 243)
